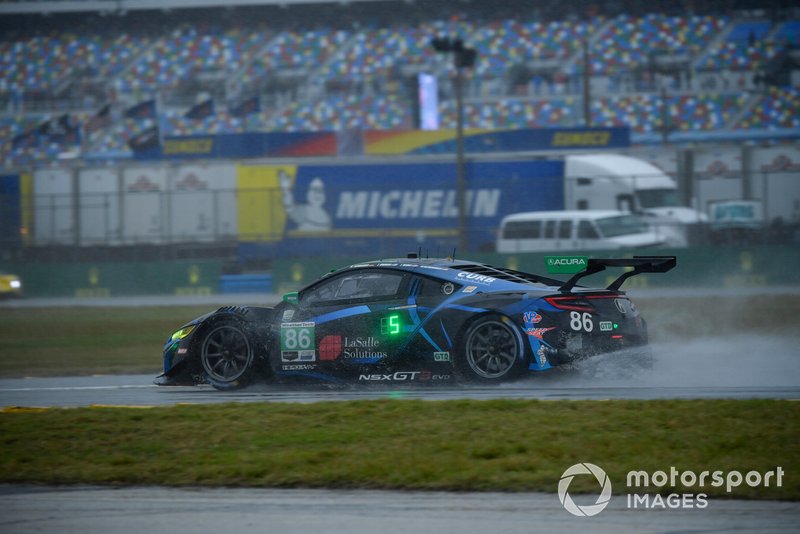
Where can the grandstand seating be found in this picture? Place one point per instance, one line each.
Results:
(648, 113)
(378, 52)
(118, 136)
(344, 113)
(38, 146)
(788, 33)
(187, 52)
(751, 45)
(628, 42)
(143, 63)
(514, 113)
(778, 108)
(386, 51)
(293, 50)
(505, 43)
(175, 123)
(39, 63)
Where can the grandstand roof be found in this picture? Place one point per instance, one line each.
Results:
(548, 9)
(74, 6)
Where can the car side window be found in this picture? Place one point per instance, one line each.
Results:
(355, 285)
(430, 288)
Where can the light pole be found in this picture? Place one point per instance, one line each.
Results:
(587, 88)
(463, 57)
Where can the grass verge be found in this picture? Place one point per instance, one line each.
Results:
(506, 445)
(86, 340)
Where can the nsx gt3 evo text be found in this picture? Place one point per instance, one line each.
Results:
(413, 320)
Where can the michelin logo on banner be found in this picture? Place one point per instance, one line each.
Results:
(429, 204)
(312, 216)
(416, 203)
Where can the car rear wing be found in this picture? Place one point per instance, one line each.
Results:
(640, 264)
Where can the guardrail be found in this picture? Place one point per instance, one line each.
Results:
(748, 266)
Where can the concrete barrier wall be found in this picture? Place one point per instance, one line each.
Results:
(98, 280)
(697, 267)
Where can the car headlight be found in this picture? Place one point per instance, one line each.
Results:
(15, 284)
(183, 332)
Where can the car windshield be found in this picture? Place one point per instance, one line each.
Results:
(621, 225)
(658, 198)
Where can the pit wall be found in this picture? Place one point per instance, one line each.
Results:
(100, 280)
(697, 267)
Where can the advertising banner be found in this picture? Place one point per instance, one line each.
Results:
(380, 142)
(486, 141)
(369, 207)
(245, 145)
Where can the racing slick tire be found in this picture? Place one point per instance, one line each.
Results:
(492, 350)
(226, 355)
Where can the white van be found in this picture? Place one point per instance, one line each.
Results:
(537, 231)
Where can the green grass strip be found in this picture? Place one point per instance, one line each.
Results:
(81, 341)
(507, 445)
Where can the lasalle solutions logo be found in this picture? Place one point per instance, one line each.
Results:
(602, 500)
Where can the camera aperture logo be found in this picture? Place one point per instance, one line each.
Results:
(672, 478)
(587, 510)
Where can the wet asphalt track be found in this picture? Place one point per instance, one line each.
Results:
(731, 367)
(88, 510)
(138, 390)
(701, 369)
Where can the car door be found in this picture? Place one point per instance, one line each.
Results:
(434, 329)
(345, 324)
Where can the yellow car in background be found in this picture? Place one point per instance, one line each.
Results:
(10, 285)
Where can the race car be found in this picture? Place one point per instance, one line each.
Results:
(414, 320)
(10, 285)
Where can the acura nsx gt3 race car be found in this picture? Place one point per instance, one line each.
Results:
(413, 320)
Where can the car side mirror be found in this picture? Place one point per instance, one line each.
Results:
(291, 298)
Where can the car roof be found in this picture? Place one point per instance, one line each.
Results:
(561, 215)
(465, 272)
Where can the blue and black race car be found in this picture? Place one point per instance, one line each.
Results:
(413, 320)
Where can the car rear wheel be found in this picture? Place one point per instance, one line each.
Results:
(227, 356)
(492, 350)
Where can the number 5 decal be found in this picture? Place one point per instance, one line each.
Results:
(580, 322)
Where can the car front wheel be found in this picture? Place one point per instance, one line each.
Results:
(227, 356)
